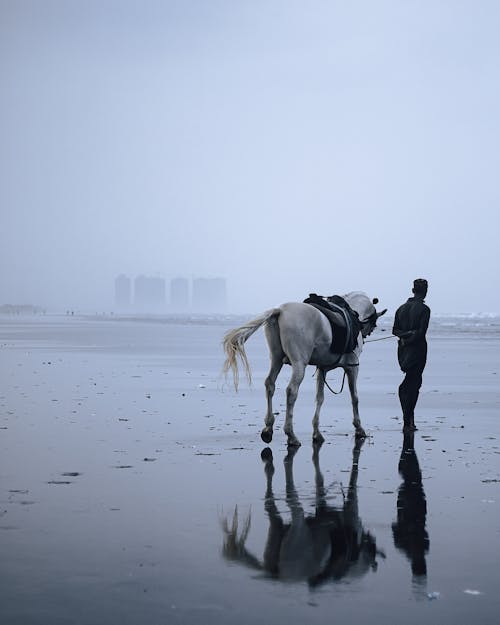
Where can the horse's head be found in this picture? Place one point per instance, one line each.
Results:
(365, 307)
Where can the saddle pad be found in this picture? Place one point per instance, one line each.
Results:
(344, 339)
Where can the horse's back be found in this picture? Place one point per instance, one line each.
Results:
(303, 316)
(302, 330)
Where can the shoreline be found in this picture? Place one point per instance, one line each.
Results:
(122, 449)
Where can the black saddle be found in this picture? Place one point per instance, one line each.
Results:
(343, 320)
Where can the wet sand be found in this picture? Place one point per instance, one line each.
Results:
(124, 457)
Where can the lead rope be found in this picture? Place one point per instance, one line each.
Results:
(384, 338)
(323, 373)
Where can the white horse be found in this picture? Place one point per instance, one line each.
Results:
(299, 334)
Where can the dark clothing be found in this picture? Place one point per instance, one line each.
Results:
(410, 326)
(408, 393)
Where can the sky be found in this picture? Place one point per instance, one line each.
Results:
(290, 147)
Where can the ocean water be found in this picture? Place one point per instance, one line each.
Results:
(134, 486)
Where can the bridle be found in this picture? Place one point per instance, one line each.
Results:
(369, 321)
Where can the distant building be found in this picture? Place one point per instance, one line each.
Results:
(149, 293)
(209, 294)
(123, 292)
(20, 309)
(179, 294)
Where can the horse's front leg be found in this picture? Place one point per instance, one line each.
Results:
(320, 397)
(270, 384)
(292, 390)
(352, 376)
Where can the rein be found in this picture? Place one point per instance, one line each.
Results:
(384, 338)
(323, 373)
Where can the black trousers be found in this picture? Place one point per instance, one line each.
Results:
(408, 392)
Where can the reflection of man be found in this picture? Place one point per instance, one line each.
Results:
(410, 326)
(410, 535)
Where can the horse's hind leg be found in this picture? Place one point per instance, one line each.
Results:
(320, 396)
(352, 376)
(277, 355)
(298, 371)
(270, 384)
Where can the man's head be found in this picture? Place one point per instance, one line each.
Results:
(420, 287)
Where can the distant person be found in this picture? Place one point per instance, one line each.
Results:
(410, 326)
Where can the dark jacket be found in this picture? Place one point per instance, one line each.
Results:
(410, 325)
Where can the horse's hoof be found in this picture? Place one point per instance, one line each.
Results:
(318, 442)
(290, 455)
(266, 454)
(294, 442)
(360, 433)
(266, 436)
(318, 439)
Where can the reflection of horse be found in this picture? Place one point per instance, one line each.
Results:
(298, 334)
(410, 535)
(331, 544)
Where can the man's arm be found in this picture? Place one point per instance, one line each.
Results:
(421, 329)
(396, 329)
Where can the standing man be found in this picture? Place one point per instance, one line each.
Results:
(410, 326)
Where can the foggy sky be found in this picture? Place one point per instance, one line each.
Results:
(288, 146)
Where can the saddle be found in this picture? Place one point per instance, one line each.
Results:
(343, 319)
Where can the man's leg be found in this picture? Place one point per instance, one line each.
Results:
(403, 400)
(414, 382)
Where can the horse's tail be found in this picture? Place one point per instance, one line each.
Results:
(234, 345)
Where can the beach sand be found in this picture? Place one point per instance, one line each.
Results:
(125, 454)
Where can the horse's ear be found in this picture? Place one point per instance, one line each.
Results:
(375, 300)
(379, 314)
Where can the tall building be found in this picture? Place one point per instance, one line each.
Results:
(123, 292)
(149, 294)
(179, 294)
(209, 294)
